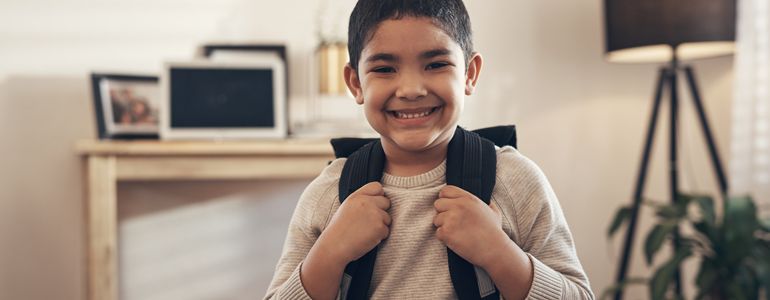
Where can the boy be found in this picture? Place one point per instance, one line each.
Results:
(411, 65)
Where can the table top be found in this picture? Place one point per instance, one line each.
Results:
(296, 146)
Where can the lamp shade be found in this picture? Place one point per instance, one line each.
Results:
(651, 30)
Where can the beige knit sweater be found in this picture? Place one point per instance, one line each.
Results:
(412, 263)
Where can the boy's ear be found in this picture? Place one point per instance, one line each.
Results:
(472, 74)
(354, 84)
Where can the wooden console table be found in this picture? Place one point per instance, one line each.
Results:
(108, 162)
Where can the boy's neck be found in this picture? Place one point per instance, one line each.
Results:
(404, 163)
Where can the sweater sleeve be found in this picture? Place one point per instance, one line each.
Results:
(542, 232)
(310, 214)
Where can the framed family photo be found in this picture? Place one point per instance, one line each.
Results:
(126, 106)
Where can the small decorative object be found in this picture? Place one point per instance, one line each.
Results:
(332, 52)
(332, 58)
(734, 248)
(126, 106)
(225, 99)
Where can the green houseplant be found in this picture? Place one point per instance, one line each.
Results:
(734, 248)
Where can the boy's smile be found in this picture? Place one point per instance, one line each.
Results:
(412, 81)
(413, 117)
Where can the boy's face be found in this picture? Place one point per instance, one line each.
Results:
(412, 82)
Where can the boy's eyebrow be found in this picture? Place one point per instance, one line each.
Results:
(382, 56)
(435, 52)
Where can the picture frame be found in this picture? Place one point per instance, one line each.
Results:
(231, 51)
(207, 50)
(126, 106)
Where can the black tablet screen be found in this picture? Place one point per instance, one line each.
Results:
(225, 98)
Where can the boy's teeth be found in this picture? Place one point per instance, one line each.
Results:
(401, 115)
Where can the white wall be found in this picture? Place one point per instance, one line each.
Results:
(581, 119)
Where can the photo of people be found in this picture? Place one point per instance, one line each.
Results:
(130, 106)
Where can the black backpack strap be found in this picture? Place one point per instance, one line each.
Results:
(363, 166)
(471, 165)
(344, 147)
(500, 135)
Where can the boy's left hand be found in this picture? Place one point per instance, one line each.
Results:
(468, 226)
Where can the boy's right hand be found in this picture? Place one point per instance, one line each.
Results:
(359, 225)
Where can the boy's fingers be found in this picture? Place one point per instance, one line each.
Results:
(386, 218)
(440, 234)
(451, 191)
(373, 188)
(442, 204)
(381, 202)
(384, 232)
(438, 220)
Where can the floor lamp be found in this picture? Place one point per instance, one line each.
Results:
(669, 32)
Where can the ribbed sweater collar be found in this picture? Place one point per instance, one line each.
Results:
(437, 175)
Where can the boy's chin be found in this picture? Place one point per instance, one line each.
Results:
(414, 143)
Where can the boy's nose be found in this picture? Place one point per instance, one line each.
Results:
(411, 88)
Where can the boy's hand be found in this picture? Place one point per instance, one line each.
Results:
(360, 224)
(468, 226)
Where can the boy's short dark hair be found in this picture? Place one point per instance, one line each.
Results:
(449, 15)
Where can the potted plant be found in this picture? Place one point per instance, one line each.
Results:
(734, 248)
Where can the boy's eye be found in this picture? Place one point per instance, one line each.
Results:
(436, 65)
(384, 70)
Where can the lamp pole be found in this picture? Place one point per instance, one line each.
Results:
(673, 157)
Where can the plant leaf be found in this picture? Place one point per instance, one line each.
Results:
(739, 227)
(660, 281)
(708, 230)
(765, 224)
(669, 212)
(734, 291)
(663, 276)
(743, 285)
(652, 203)
(707, 275)
(683, 201)
(655, 239)
(621, 216)
(706, 205)
(762, 266)
(764, 277)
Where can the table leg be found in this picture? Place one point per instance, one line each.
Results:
(102, 228)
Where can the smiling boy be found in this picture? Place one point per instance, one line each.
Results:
(412, 64)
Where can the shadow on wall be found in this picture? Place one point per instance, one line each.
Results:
(41, 119)
(193, 240)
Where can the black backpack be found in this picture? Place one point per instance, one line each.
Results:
(471, 165)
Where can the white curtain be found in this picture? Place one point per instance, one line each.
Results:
(750, 158)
